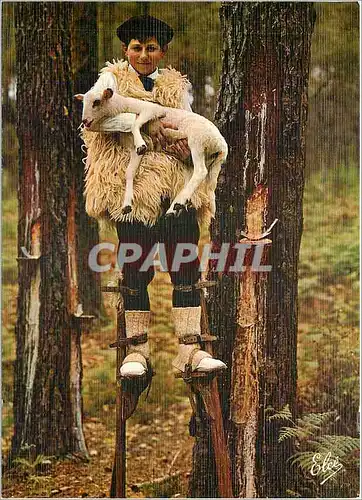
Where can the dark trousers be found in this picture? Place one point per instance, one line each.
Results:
(170, 231)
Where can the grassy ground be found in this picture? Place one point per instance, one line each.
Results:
(158, 442)
(328, 341)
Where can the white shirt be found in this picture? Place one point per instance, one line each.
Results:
(153, 75)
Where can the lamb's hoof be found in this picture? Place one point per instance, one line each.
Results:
(176, 210)
(141, 150)
(127, 209)
(179, 209)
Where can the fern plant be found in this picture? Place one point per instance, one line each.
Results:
(326, 465)
(34, 465)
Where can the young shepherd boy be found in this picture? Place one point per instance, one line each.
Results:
(161, 176)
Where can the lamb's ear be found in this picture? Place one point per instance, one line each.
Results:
(80, 97)
(107, 93)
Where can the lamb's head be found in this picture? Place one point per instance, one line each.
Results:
(96, 106)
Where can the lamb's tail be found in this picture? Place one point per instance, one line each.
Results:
(218, 157)
(214, 157)
(214, 167)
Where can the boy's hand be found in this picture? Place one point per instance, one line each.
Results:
(179, 148)
(155, 130)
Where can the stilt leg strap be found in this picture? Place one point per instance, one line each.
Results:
(189, 356)
(195, 356)
(196, 286)
(189, 339)
(136, 340)
(196, 338)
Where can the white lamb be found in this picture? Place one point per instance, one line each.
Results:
(208, 147)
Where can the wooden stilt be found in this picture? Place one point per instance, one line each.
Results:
(206, 386)
(210, 396)
(129, 390)
(209, 393)
(128, 393)
(118, 486)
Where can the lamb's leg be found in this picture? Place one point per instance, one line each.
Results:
(144, 117)
(199, 174)
(135, 160)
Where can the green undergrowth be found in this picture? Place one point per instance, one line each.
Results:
(329, 256)
(164, 488)
(8, 355)
(328, 340)
(315, 437)
(328, 285)
(9, 240)
(8, 299)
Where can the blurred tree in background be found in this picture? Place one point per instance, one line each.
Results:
(8, 89)
(84, 65)
(333, 122)
(333, 127)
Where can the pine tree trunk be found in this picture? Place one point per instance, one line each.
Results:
(42, 400)
(262, 111)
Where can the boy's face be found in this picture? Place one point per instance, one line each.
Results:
(144, 56)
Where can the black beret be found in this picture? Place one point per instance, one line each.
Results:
(143, 27)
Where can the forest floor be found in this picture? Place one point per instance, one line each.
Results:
(159, 448)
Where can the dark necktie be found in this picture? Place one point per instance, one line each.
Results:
(147, 82)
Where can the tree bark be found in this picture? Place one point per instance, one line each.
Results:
(42, 400)
(262, 112)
